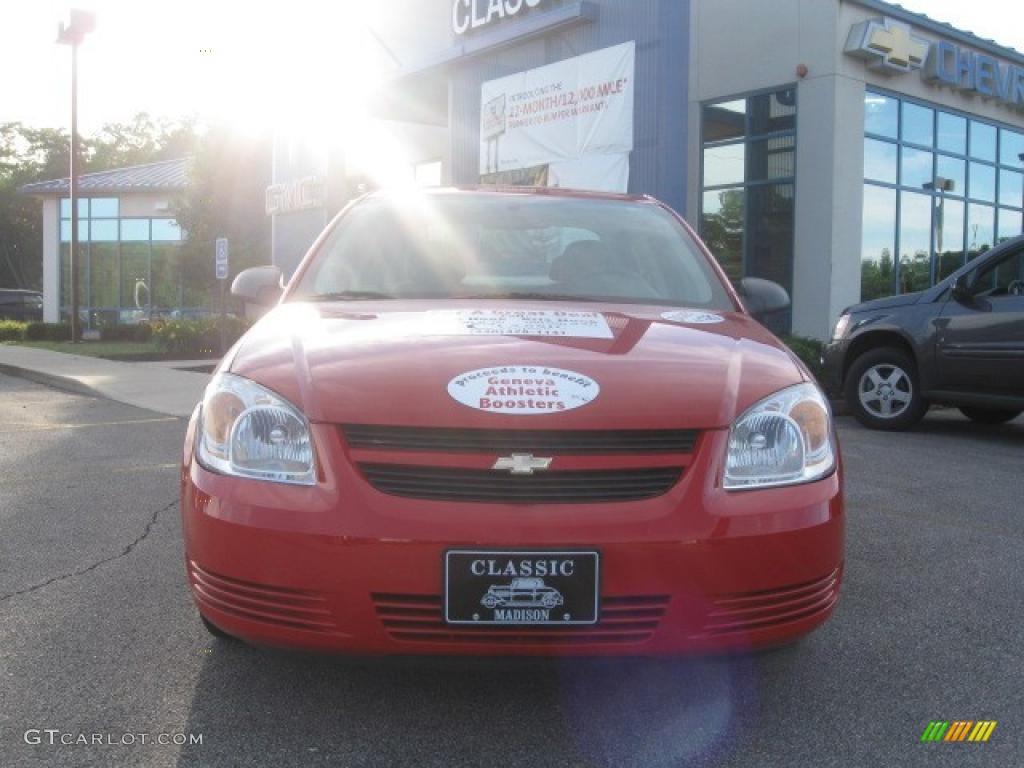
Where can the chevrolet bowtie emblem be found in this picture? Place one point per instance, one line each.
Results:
(522, 464)
(887, 46)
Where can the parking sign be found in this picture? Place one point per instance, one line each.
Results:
(221, 258)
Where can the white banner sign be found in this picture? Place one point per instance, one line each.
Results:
(561, 116)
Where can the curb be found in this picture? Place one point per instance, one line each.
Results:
(65, 383)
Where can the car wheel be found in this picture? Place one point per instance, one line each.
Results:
(490, 602)
(214, 630)
(882, 390)
(989, 415)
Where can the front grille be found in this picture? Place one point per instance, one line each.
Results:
(505, 441)
(761, 610)
(420, 619)
(569, 487)
(292, 608)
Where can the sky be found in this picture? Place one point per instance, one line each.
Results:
(217, 59)
(251, 63)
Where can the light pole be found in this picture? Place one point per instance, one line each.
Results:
(942, 185)
(80, 24)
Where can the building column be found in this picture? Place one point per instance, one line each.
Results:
(829, 202)
(51, 260)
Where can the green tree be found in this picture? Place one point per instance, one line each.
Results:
(227, 178)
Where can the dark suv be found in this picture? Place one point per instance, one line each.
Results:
(25, 306)
(960, 343)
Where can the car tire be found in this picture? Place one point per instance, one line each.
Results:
(989, 415)
(216, 631)
(882, 390)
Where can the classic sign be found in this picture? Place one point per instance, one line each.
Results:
(474, 14)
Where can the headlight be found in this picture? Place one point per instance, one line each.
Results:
(783, 440)
(247, 431)
(842, 326)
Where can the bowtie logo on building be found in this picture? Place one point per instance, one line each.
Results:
(887, 46)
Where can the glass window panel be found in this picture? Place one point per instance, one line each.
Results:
(104, 207)
(83, 208)
(722, 165)
(915, 241)
(165, 277)
(166, 230)
(1011, 189)
(135, 276)
(878, 242)
(981, 220)
(880, 115)
(915, 167)
(770, 237)
(104, 280)
(1011, 147)
(134, 229)
(983, 141)
(1010, 223)
(727, 120)
(949, 236)
(880, 160)
(83, 231)
(722, 229)
(918, 124)
(103, 230)
(952, 133)
(983, 182)
(772, 112)
(952, 168)
(771, 159)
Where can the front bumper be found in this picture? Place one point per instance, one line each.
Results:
(341, 567)
(833, 360)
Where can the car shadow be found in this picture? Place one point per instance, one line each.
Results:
(946, 422)
(267, 707)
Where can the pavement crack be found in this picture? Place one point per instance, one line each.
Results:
(82, 571)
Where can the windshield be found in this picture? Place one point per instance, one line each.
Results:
(499, 246)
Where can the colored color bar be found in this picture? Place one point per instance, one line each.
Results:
(940, 730)
(953, 731)
(927, 735)
(988, 731)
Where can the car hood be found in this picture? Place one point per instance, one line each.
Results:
(889, 302)
(374, 363)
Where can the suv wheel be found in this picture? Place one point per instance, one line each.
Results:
(989, 415)
(882, 390)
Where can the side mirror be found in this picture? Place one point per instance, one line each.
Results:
(259, 288)
(763, 297)
(963, 288)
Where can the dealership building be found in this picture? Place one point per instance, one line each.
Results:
(846, 149)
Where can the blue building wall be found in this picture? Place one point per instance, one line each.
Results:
(660, 29)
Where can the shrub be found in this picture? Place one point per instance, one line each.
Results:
(197, 337)
(48, 332)
(135, 332)
(12, 330)
(808, 350)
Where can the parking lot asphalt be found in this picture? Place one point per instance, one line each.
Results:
(98, 634)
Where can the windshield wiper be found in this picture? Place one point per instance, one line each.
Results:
(347, 296)
(530, 296)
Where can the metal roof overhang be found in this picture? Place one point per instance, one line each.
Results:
(419, 93)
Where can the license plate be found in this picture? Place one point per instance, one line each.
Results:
(520, 588)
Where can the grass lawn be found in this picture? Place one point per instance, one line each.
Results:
(111, 350)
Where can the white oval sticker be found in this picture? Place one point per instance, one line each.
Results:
(523, 390)
(693, 317)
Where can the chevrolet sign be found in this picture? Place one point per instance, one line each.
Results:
(891, 47)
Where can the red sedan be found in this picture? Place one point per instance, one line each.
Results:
(465, 393)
